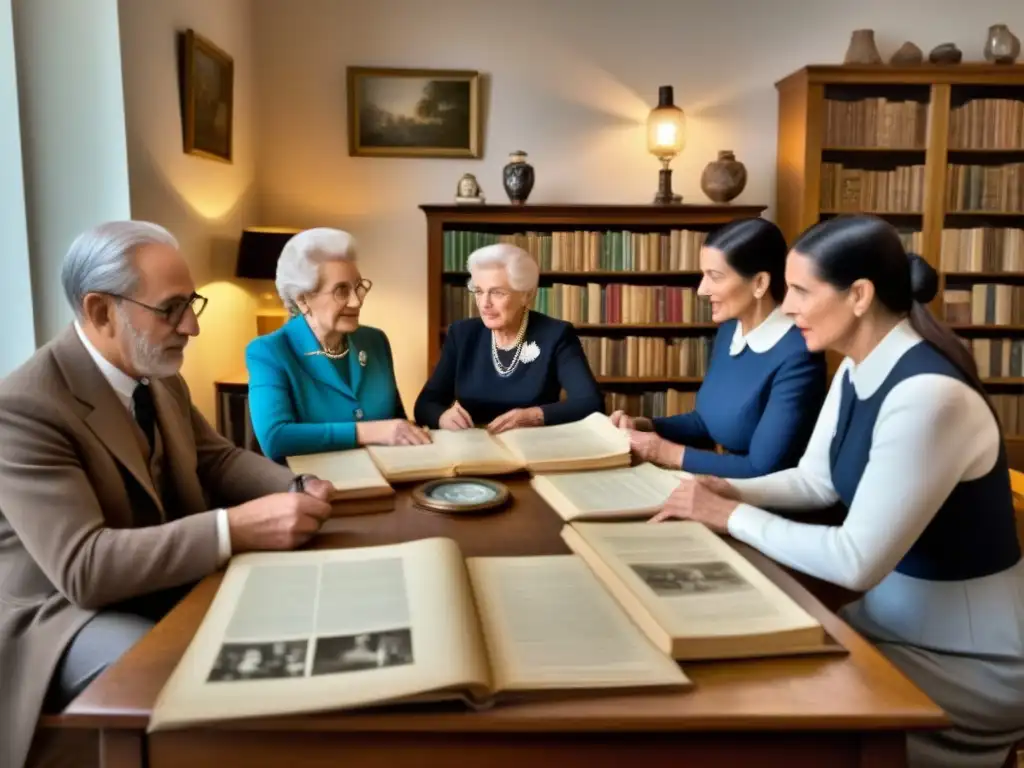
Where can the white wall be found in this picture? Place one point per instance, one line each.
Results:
(72, 134)
(16, 286)
(204, 202)
(570, 82)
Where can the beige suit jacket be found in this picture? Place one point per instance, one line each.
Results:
(81, 525)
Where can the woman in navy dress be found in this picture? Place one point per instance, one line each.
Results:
(908, 442)
(763, 389)
(508, 367)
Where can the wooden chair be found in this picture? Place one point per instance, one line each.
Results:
(1017, 486)
(56, 745)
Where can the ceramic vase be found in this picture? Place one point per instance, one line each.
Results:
(518, 178)
(723, 179)
(1001, 45)
(945, 53)
(862, 48)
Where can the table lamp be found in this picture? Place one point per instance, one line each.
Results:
(258, 252)
(666, 137)
(259, 249)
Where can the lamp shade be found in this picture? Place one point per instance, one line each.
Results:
(259, 249)
(666, 127)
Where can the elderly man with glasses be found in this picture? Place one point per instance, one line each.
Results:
(115, 494)
(324, 382)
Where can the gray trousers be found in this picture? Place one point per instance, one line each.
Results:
(103, 640)
(98, 644)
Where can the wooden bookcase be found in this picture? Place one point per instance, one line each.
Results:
(625, 275)
(939, 152)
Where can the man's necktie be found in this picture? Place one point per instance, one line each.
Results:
(145, 412)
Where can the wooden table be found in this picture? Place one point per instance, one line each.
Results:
(836, 711)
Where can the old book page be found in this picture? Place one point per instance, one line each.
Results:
(549, 624)
(592, 443)
(407, 463)
(450, 453)
(353, 473)
(623, 493)
(693, 594)
(476, 452)
(292, 632)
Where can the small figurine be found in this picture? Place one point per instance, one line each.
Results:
(469, 190)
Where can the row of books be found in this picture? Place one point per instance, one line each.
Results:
(984, 304)
(982, 249)
(653, 404)
(987, 124)
(587, 250)
(875, 122)
(648, 356)
(596, 303)
(880, 122)
(1010, 412)
(997, 358)
(998, 188)
(913, 240)
(856, 189)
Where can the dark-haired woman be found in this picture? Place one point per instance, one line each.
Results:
(763, 389)
(908, 442)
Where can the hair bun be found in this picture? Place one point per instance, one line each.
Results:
(924, 280)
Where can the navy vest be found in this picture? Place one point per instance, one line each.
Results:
(974, 533)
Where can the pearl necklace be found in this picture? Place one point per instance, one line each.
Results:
(517, 345)
(331, 354)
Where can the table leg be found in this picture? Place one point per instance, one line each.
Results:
(122, 749)
(883, 750)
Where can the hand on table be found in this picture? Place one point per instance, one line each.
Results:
(695, 499)
(648, 446)
(455, 418)
(277, 521)
(517, 417)
(391, 432)
(622, 420)
(317, 488)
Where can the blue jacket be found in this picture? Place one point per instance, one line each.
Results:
(300, 403)
(466, 373)
(760, 407)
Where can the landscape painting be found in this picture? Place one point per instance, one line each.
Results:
(207, 94)
(413, 112)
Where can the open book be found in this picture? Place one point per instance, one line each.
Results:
(358, 484)
(694, 595)
(591, 443)
(319, 630)
(608, 494)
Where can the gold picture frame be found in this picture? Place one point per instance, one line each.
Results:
(207, 82)
(413, 112)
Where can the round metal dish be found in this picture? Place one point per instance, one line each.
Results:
(461, 495)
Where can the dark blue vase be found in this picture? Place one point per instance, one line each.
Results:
(518, 178)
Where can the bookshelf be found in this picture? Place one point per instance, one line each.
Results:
(624, 275)
(938, 150)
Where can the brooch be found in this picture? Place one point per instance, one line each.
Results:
(530, 352)
(362, 357)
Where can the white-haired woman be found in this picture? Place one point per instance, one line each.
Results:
(509, 367)
(323, 382)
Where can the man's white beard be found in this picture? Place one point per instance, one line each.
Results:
(147, 360)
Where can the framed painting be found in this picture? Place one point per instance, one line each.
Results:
(413, 112)
(207, 77)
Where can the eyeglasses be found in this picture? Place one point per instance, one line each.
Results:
(342, 292)
(173, 310)
(494, 294)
